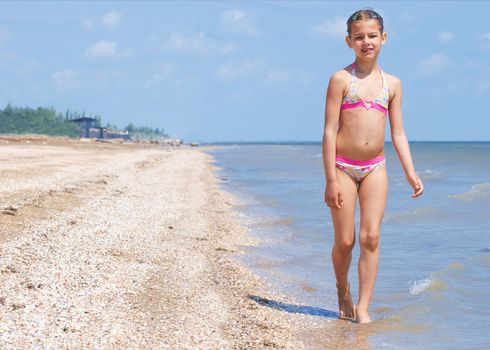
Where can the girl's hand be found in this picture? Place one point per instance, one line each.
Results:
(333, 196)
(417, 185)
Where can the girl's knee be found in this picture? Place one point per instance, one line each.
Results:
(369, 239)
(345, 245)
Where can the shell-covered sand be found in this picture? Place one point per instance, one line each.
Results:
(106, 246)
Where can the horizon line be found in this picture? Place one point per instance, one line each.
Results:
(319, 142)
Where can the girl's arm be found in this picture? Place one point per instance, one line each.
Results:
(400, 141)
(333, 196)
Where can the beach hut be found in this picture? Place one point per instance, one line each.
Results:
(86, 124)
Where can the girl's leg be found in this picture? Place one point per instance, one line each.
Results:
(372, 199)
(343, 222)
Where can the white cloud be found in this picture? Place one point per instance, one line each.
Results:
(433, 64)
(111, 19)
(66, 79)
(336, 28)
(87, 23)
(106, 50)
(233, 70)
(445, 36)
(195, 43)
(102, 49)
(164, 72)
(239, 22)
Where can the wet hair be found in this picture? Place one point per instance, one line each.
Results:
(364, 15)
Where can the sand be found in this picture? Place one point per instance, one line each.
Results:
(131, 246)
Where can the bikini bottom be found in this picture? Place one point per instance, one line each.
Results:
(359, 169)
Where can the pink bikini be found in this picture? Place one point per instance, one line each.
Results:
(359, 169)
(353, 100)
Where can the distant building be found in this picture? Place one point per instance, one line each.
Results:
(86, 124)
(91, 130)
(116, 134)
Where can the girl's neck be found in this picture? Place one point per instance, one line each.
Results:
(366, 67)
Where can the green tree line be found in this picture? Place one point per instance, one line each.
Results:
(48, 121)
(145, 132)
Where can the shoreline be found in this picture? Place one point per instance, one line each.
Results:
(133, 246)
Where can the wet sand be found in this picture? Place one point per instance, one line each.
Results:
(134, 246)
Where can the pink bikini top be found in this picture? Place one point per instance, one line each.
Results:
(353, 100)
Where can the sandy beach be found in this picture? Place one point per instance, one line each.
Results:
(132, 246)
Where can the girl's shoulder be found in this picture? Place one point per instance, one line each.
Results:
(342, 73)
(393, 81)
(342, 76)
(394, 85)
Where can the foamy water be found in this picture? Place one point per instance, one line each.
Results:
(434, 277)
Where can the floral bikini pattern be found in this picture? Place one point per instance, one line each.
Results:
(353, 100)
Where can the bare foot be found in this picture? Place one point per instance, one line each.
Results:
(362, 316)
(346, 306)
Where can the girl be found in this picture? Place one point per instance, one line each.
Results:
(359, 97)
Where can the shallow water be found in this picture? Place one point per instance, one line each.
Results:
(434, 276)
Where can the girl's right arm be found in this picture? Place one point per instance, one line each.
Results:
(333, 196)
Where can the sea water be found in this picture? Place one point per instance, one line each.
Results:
(433, 286)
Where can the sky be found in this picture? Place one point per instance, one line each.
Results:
(213, 71)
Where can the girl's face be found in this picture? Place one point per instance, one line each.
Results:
(365, 38)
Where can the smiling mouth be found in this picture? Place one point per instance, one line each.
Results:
(367, 50)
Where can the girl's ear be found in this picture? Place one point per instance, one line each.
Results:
(384, 37)
(348, 41)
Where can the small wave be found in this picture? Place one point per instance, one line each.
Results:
(418, 287)
(404, 215)
(436, 280)
(477, 191)
(427, 284)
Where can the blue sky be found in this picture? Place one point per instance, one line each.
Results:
(252, 70)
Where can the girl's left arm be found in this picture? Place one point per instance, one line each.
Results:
(399, 138)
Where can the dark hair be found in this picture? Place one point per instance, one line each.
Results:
(363, 15)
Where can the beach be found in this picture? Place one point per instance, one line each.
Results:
(133, 246)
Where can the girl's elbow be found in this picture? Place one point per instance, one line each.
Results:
(397, 134)
(328, 134)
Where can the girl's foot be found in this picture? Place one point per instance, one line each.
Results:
(347, 310)
(362, 316)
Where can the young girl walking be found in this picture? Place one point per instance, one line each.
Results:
(359, 99)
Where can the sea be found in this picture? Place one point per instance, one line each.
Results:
(433, 285)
